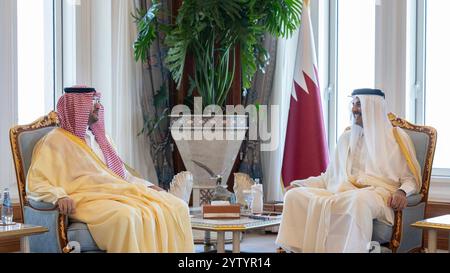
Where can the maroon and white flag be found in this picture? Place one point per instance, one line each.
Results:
(306, 149)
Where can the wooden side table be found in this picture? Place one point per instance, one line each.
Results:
(433, 225)
(22, 231)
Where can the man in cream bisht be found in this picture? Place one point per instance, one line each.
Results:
(373, 169)
(76, 167)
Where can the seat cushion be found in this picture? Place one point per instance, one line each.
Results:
(382, 232)
(79, 232)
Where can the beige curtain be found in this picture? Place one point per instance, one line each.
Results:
(155, 82)
(127, 89)
(282, 85)
(258, 94)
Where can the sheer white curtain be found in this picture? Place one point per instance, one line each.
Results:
(8, 92)
(126, 88)
(281, 93)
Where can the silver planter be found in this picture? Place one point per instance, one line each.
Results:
(208, 146)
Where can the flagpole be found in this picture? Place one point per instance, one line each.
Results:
(305, 3)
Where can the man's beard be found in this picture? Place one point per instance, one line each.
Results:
(92, 120)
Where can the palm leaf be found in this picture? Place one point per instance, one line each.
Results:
(147, 25)
(209, 29)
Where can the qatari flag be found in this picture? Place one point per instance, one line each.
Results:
(305, 150)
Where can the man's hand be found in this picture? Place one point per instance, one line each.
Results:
(398, 200)
(66, 206)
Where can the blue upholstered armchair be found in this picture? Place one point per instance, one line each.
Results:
(61, 229)
(402, 237)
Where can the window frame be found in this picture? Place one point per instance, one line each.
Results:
(419, 93)
(56, 72)
(331, 92)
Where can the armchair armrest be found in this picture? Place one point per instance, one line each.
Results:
(44, 206)
(47, 215)
(414, 200)
(48, 242)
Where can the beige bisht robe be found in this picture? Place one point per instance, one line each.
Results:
(121, 217)
(334, 212)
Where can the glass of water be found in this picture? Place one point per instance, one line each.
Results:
(248, 197)
(7, 209)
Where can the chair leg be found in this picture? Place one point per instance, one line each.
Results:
(417, 250)
(281, 250)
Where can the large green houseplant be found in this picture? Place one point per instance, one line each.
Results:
(211, 31)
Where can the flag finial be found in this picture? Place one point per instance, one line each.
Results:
(305, 3)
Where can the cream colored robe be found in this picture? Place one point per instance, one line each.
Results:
(121, 217)
(334, 212)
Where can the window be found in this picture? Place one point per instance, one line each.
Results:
(35, 59)
(351, 58)
(355, 53)
(436, 59)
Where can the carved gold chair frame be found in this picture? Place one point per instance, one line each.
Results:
(426, 173)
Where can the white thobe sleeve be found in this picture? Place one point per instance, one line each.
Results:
(408, 182)
(408, 185)
(312, 182)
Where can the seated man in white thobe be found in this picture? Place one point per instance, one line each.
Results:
(373, 170)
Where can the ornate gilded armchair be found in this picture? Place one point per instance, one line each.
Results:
(61, 229)
(402, 237)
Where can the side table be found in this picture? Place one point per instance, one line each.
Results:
(22, 231)
(433, 225)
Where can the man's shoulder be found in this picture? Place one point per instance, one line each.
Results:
(54, 135)
(346, 133)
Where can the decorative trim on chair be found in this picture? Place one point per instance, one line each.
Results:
(426, 176)
(396, 232)
(62, 230)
